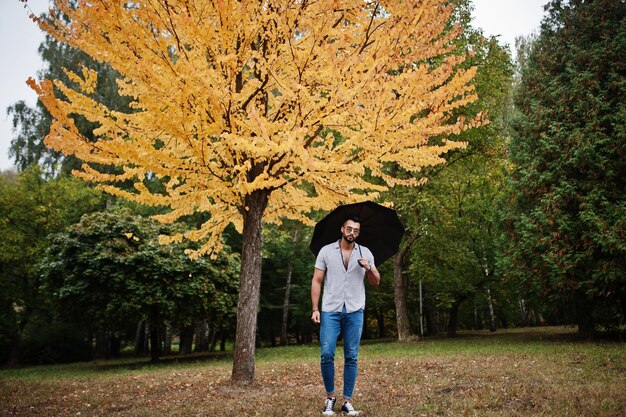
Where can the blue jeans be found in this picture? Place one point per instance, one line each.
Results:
(351, 326)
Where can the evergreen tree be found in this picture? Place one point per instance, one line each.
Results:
(567, 225)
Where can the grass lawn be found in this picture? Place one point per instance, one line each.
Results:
(524, 372)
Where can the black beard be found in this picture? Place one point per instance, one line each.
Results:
(348, 239)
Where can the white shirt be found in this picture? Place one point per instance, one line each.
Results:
(341, 285)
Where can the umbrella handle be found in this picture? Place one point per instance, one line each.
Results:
(360, 253)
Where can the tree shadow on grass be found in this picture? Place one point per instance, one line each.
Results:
(144, 362)
(558, 334)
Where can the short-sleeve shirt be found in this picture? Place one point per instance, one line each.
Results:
(341, 285)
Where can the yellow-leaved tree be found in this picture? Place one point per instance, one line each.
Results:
(257, 110)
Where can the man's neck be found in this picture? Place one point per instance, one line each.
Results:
(344, 244)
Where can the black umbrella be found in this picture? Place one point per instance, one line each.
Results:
(381, 230)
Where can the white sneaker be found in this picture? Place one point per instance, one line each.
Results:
(329, 404)
(348, 410)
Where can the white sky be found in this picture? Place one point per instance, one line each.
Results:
(20, 38)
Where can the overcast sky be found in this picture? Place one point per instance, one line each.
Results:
(20, 38)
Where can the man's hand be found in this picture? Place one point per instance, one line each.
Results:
(364, 263)
(316, 288)
(315, 317)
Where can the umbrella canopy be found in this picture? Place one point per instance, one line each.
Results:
(381, 230)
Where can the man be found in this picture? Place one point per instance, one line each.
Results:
(341, 266)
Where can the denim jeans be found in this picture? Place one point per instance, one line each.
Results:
(351, 326)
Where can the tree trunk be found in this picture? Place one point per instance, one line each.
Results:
(487, 272)
(115, 346)
(492, 316)
(102, 344)
(167, 342)
(140, 338)
(283, 329)
(523, 314)
(400, 298)
(453, 321)
(272, 340)
(155, 346)
(622, 300)
(202, 337)
(186, 339)
(14, 355)
(222, 340)
(431, 327)
(476, 326)
(583, 308)
(400, 289)
(249, 288)
(380, 321)
(213, 335)
(421, 311)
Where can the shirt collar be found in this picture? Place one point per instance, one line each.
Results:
(356, 245)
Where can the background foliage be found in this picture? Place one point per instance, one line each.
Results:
(526, 226)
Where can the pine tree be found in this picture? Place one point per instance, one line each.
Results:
(568, 226)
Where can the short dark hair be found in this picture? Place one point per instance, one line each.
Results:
(352, 217)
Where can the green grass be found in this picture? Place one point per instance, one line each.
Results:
(525, 372)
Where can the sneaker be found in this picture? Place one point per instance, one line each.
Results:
(329, 405)
(348, 410)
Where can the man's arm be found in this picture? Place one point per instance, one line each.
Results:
(373, 276)
(316, 289)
